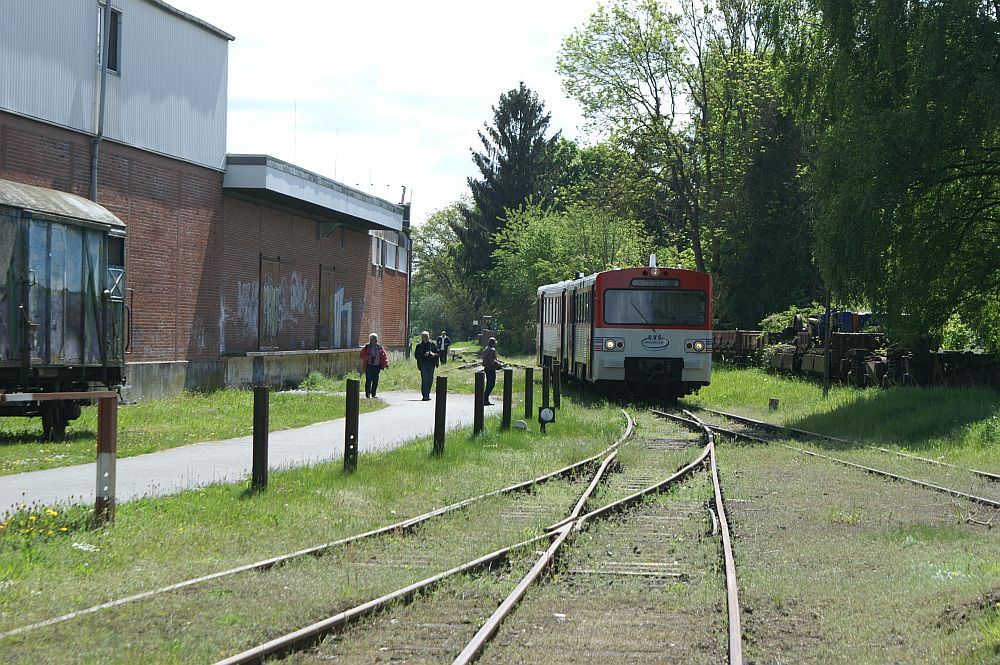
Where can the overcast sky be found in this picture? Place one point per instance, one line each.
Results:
(387, 93)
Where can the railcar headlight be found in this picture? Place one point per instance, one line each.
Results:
(654, 272)
(699, 346)
(609, 344)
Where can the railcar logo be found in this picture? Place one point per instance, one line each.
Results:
(654, 343)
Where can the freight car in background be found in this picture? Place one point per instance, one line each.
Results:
(644, 330)
(63, 323)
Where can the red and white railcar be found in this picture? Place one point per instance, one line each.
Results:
(648, 330)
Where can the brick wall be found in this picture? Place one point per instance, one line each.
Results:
(252, 231)
(171, 210)
(194, 252)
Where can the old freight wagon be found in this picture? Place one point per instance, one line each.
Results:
(63, 323)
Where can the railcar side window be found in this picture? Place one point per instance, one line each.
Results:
(660, 307)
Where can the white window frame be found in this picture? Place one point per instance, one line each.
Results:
(116, 19)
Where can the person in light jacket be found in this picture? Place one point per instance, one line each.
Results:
(373, 360)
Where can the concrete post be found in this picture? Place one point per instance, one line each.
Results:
(107, 453)
(546, 373)
(508, 398)
(351, 425)
(529, 394)
(440, 413)
(261, 416)
(477, 419)
(556, 384)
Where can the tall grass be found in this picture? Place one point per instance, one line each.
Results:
(952, 421)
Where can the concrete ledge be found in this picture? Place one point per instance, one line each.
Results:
(282, 369)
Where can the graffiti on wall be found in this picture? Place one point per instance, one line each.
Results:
(247, 298)
(270, 297)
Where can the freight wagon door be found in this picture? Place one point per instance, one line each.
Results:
(38, 291)
(11, 288)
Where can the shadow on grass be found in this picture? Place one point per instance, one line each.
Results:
(912, 417)
(20, 437)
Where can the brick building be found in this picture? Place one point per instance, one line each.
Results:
(228, 256)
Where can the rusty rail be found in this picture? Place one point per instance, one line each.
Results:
(732, 585)
(802, 433)
(309, 635)
(992, 503)
(319, 550)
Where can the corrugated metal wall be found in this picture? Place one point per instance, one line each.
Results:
(170, 96)
(48, 60)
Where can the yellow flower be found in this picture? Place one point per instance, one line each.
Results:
(51, 532)
(51, 512)
(32, 518)
(63, 529)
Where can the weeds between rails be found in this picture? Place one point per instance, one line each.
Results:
(403, 526)
(309, 635)
(981, 500)
(561, 532)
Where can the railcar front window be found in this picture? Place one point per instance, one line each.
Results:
(661, 307)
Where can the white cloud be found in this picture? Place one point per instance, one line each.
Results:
(386, 94)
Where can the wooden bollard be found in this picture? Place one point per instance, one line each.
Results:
(556, 384)
(529, 393)
(508, 398)
(546, 371)
(261, 415)
(351, 426)
(440, 413)
(477, 419)
(107, 454)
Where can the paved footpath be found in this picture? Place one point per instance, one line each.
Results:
(175, 470)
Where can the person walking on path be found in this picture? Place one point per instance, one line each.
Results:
(444, 342)
(373, 360)
(490, 366)
(426, 353)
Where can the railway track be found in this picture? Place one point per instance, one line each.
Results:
(750, 430)
(402, 527)
(645, 532)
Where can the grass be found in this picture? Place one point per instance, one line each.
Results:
(836, 566)
(154, 425)
(163, 540)
(958, 425)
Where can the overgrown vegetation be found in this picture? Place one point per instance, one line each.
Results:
(785, 146)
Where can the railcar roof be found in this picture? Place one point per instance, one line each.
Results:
(54, 202)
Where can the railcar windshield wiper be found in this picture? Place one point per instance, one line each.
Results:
(644, 318)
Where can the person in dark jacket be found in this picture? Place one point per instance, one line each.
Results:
(443, 342)
(373, 360)
(490, 366)
(426, 353)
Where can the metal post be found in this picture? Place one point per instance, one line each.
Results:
(508, 398)
(440, 407)
(107, 451)
(546, 371)
(529, 393)
(477, 420)
(351, 425)
(556, 391)
(826, 346)
(258, 479)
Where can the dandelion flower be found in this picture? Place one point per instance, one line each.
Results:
(52, 513)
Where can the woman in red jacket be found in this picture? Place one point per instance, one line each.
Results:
(373, 360)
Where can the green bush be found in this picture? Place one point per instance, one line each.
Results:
(314, 381)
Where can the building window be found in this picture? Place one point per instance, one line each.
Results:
(114, 43)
